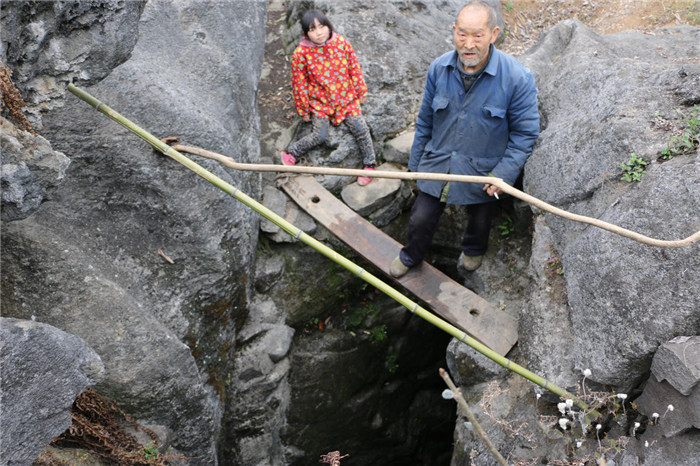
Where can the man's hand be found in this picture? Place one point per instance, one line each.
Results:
(363, 99)
(306, 118)
(492, 190)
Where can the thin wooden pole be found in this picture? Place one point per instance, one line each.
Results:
(498, 182)
(462, 403)
(297, 233)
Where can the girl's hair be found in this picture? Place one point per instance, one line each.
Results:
(308, 20)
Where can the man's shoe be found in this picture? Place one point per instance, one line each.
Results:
(288, 159)
(397, 269)
(364, 180)
(470, 263)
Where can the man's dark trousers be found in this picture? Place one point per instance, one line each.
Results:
(425, 215)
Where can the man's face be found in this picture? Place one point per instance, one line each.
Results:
(473, 37)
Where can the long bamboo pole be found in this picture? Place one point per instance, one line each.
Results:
(297, 233)
(498, 182)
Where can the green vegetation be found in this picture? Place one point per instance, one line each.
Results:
(506, 227)
(633, 168)
(150, 451)
(378, 334)
(685, 141)
(391, 365)
(509, 6)
(359, 314)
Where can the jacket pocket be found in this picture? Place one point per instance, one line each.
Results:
(440, 102)
(494, 112)
(484, 165)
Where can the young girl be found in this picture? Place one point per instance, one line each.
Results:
(328, 88)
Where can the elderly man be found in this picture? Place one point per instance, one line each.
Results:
(478, 117)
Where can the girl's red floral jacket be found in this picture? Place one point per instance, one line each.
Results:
(327, 79)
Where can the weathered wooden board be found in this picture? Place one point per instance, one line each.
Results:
(447, 298)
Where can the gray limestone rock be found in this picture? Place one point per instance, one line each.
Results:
(31, 171)
(260, 387)
(678, 362)
(278, 202)
(468, 367)
(545, 333)
(54, 43)
(398, 149)
(43, 371)
(379, 193)
(598, 99)
(673, 382)
(268, 269)
(88, 260)
(652, 450)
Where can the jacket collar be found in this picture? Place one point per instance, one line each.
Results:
(307, 42)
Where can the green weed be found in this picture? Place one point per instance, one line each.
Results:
(686, 141)
(506, 227)
(633, 168)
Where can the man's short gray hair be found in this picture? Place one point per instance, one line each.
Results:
(491, 21)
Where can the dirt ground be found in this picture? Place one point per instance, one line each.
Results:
(525, 20)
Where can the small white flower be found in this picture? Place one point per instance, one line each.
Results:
(637, 425)
(447, 394)
(538, 395)
(646, 443)
(569, 403)
(563, 422)
(670, 408)
(622, 396)
(598, 427)
(655, 415)
(562, 407)
(586, 372)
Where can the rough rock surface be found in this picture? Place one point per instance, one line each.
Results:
(674, 382)
(625, 297)
(673, 394)
(261, 388)
(545, 333)
(678, 362)
(54, 42)
(31, 171)
(88, 261)
(278, 202)
(92, 247)
(43, 371)
(380, 193)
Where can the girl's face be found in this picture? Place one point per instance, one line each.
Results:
(318, 33)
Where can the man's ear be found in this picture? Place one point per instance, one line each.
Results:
(494, 34)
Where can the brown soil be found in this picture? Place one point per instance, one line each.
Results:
(527, 19)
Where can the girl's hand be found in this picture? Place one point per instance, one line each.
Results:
(306, 118)
(363, 99)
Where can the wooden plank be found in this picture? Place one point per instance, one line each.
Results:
(447, 298)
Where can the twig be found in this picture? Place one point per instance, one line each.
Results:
(477, 428)
(160, 252)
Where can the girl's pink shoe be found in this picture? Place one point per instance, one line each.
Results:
(288, 159)
(364, 180)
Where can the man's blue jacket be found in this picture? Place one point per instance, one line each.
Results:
(489, 130)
